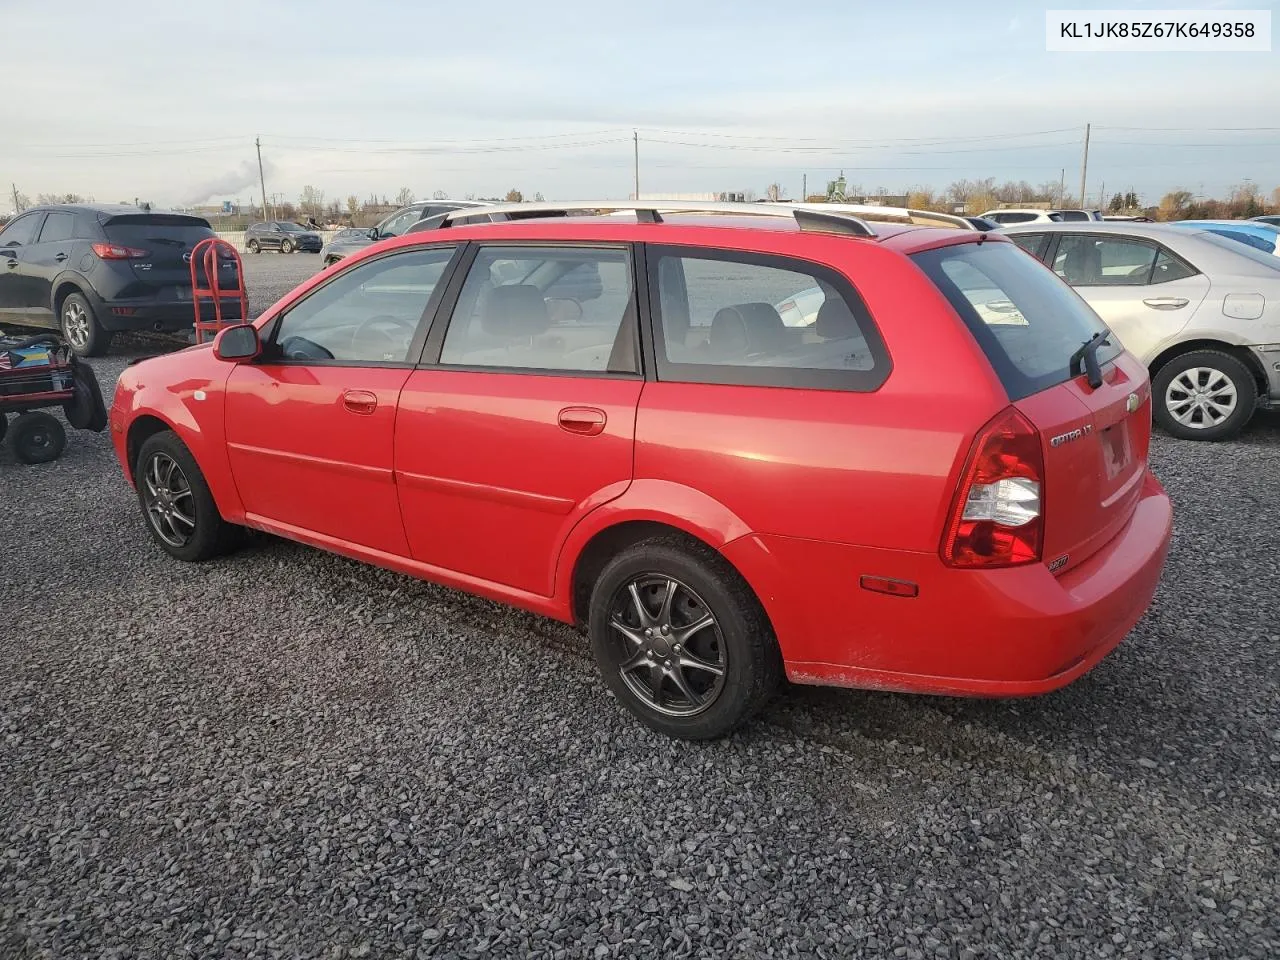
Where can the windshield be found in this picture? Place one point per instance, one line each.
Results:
(291, 228)
(1027, 321)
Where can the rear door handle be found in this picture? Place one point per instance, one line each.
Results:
(360, 401)
(60, 257)
(586, 421)
(1166, 303)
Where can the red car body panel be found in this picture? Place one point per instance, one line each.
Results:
(495, 482)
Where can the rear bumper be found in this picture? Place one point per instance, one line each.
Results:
(1002, 633)
(167, 316)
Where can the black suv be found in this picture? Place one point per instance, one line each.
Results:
(282, 235)
(96, 269)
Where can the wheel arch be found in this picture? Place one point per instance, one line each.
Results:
(1243, 354)
(142, 429)
(63, 287)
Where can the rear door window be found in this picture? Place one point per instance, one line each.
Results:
(58, 226)
(730, 317)
(1028, 323)
(1084, 260)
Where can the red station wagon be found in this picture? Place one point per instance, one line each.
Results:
(753, 441)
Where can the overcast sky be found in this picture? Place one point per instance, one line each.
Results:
(146, 99)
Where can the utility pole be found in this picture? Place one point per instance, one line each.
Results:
(1102, 196)
(262, 180)
(1084, 164)
(635, 138)
(17, 209)
(804, 189)
(1062, 186)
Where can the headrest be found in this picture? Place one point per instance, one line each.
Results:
(836, 321)
(1083, 264)
(517, 310)
(746, 328)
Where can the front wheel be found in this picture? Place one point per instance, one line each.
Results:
(81, 327)
(1204, 395)
(176, 503)
(681, 640)
(286, 247)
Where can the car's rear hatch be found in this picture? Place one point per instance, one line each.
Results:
(1095, 438)
(160, 246)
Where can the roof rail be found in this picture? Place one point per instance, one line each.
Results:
(871, 211)
(809, 216)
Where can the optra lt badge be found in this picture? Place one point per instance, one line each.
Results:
(1076, 434)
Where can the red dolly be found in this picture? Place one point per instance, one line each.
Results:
(206, 254)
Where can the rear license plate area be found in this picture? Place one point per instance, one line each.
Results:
(1117, 450)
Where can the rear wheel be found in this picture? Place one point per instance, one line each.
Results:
(81, 328)
(681, 640)
(1204, 395)
(286, 246)
(252, 246)
(176, 503)
(37, 437)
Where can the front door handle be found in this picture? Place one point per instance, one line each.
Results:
(585, 421)
(360, 401)
(60, 257)
(1166, 303)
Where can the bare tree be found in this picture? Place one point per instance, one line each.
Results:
(312, 201)
(404, 197)
(353, 205)
(774, 192)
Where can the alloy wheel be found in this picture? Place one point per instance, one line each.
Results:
(76, 324)
(169, 501)
(672, 654)
(1201, 397)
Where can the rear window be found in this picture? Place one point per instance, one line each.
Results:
(1027, 321)
(157, 228)
(1269, 260)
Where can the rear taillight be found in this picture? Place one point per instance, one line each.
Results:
(113, 251)
(998, 516)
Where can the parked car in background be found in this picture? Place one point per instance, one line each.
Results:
(282, 235)
(1013, 215)
(1263, 236)
(93, 270)
(1272, 219)
(392, 225)
(1200, 310)
(982, 223)
(978, 512)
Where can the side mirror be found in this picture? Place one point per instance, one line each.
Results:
(373, 233)
(237, 343)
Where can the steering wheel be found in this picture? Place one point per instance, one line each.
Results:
(394, 331)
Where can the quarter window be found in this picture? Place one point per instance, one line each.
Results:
(1033, 243)
(1089, 261)
(368, 314)
(767, 321)
(546, 308)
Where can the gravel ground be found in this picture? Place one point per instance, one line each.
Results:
(288, 754)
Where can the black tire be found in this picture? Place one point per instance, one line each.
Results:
(37, 437)
(252, 246)
(4, 425)
(80, 327)
(739, 639)
(1173, 395)
(286, 246)
(200, 533)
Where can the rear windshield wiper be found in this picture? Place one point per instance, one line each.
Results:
(1088, 353)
